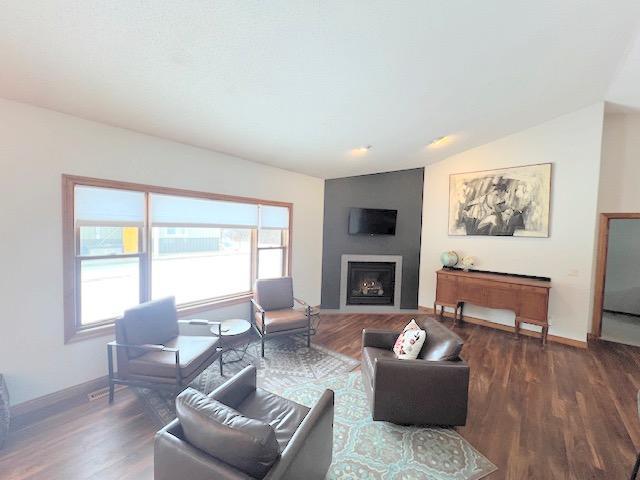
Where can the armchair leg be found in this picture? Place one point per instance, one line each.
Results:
(220, 362)
(111, 390)
(262, 341)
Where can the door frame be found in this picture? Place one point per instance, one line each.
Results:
(601, 266)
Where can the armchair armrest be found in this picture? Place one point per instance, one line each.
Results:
(421, 391)
(379, 338)
(235, 390)
(306, 306)
(309, 452)
(146, 347)
(257, 305)
(176, 458)
(200, 322)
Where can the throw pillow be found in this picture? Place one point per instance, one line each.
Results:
(411, 344)
(397, 347)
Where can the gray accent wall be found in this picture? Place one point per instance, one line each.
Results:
(401, 191)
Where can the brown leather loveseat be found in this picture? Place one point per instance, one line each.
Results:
(431, 390)
(241, 432)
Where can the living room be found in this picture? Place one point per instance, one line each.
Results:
(208, 198)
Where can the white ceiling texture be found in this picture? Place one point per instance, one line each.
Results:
(298, 84)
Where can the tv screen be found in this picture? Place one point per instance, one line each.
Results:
(372, 221)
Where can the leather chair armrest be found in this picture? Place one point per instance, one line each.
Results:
(309, 452)
(257, 305)
(379, 338)
(437, 389)
(176, 458)
(147, 347)
(205, 323)
(235, 390)
(307, 307)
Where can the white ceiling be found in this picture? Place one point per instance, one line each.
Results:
(298, 83)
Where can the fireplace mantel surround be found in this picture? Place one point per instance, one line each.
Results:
(344, 269)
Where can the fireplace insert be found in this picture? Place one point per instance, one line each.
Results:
(371, 283)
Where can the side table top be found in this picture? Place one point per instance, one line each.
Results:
(232, 327)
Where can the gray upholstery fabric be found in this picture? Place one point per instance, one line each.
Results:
(274, 293)
(149, 323)
(281, 320)
(194, 350)
(248, 444)
(441, 343)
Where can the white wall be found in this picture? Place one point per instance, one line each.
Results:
(572, 143)
(36, 147)
(620, 168)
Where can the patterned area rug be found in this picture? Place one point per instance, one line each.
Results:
(287, 362)
(368, 450)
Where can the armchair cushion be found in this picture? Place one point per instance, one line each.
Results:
(247, 444)
(282, 414)
(274, 293)
(441, 343)
(153, 322)
(281, 320)
(193, 351)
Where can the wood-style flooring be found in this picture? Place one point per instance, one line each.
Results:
(553, 413)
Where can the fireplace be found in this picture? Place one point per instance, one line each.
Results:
(371, 283)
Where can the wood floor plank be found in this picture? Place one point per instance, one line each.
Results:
(552, 413)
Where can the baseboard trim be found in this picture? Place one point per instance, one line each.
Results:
(32, 411)
(507, 328)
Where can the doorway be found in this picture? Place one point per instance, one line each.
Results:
(616, 315)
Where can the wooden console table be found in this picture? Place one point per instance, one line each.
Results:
(528, 298)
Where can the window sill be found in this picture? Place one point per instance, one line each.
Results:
(184, 311)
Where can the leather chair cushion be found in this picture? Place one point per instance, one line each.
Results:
(441, 343)
(274, 293)
(369, 355)
(245, 443)
(281, 320)
(194, 351)
(282, 414)
(153, 322)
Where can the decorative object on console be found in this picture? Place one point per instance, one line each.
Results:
(504, 202)
(449, 259)
(5, 418)
(467, 263)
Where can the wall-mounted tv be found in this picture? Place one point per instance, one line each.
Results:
(372, 221)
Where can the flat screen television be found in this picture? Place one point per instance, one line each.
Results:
(372, 221)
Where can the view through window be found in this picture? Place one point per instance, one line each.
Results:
(136, 245)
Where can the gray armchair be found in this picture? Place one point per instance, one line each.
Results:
(275, 313)
(431, 390)
(151, 352)
(241, 432)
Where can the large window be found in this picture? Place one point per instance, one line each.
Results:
(126, 244)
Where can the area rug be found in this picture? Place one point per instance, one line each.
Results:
(368, 450)
(287, 362)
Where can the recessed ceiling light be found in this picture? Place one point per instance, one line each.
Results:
(360, 151)
(438, 142)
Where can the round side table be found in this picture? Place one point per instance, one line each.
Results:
(235, 337)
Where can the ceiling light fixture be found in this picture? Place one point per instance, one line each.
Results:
(437, 142)
(360, 151)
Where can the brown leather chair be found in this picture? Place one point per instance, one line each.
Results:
(241, 432)
(275, 313)
(431, 390)
(151, 351)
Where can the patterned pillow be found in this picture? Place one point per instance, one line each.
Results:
(409, 342)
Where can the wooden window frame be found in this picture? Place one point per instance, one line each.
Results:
(73, 331)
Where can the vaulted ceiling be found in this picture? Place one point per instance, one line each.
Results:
(298, 84)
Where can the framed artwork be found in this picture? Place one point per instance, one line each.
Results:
(511, 202)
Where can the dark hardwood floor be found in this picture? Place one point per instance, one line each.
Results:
(553, 413)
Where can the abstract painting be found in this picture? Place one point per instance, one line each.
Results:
(506, 202)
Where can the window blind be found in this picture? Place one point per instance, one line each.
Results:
(108, 206)
(169, 210)
(274, 217)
